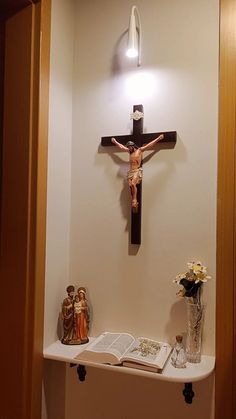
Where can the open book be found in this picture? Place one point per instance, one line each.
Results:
(122, 348)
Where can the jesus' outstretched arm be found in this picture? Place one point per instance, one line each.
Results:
(152, 143)
(121, 146)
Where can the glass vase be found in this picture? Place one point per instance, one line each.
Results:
(195, 314)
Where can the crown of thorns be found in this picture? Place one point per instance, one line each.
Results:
(131, 144)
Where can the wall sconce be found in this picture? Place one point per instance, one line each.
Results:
(134, 36)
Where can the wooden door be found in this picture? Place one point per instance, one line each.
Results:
(23, 207)
(226, 232)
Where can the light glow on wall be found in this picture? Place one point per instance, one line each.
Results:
(140, 85)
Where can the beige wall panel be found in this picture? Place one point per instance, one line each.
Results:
(131, 289)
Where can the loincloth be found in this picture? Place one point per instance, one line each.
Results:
(138, 173)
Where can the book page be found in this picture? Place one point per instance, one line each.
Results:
(115, 343)
(148, 352)
(142, 367)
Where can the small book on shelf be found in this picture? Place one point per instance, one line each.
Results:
(124, 349)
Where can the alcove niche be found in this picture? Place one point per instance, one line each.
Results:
(130, 288)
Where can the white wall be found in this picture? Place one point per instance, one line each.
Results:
(180, 58)
(58, 197)
(131, 288)
(59, 162)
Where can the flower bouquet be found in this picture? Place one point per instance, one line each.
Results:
(192, 282)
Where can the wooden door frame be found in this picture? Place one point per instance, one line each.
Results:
(226, 218)
(23, 389)
(43, 9)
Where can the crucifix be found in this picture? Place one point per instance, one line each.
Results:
(135, 144)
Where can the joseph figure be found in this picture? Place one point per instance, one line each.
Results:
(68, 316)
(135, 173)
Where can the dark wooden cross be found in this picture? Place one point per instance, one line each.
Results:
(140, 139)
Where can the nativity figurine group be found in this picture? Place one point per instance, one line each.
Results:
(75, 317)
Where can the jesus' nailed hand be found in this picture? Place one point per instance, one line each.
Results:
(135, 173)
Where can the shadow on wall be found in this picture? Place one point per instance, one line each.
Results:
(108, 395)
(54, 390)
(176, 324)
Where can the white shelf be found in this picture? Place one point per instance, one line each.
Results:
(192, 373)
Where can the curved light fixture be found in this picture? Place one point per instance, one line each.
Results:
(134, 37)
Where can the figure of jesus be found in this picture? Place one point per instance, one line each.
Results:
(135, 173)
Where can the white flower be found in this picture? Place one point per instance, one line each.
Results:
(197, 273)
(179, 277)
